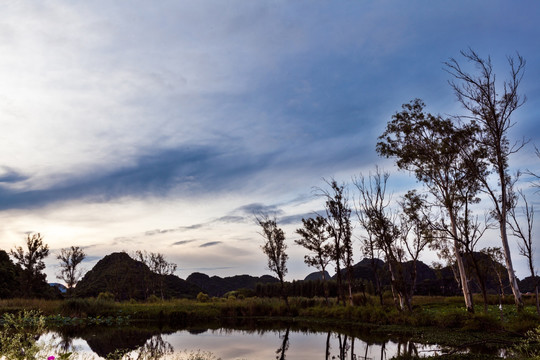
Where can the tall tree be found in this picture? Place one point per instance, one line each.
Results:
(31, 262)
(314, 237)
(524, 233)
(492, 107)
(157, 263)
(379, 222)
(338, 219)
(70, 259)
(433, 149)
(417, 234)
(274, 248)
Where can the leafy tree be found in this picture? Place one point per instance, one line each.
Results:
(435, 149)
(70, 259)
(31, 262)
(492, 108)
(417, 234)
(339, 227)
(314, 239)
(274, 248)
(8, 276)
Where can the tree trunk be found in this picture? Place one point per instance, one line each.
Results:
(462, 273)
(511, 275)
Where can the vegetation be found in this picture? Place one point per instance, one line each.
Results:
(70, 259)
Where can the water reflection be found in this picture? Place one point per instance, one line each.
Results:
(290, 342)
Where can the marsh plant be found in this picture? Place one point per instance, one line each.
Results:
(19, 334)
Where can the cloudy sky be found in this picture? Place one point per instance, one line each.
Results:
(163, 126)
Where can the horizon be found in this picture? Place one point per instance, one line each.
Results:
(166, 127)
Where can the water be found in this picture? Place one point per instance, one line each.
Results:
(232, 344)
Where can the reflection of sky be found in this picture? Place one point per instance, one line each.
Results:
(232, 345)
(164, 127)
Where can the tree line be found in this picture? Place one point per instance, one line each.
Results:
(458, 160)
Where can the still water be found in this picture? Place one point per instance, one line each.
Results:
(225, 344)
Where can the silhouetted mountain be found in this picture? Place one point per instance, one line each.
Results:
(217, 286)
(128, 278)
(527, 285)
(317, 276)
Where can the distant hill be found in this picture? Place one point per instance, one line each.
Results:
(128, 278)
(317, 276)
(218, 286)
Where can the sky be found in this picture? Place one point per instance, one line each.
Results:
(165, 126)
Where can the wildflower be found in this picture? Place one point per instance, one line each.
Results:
(51, 358)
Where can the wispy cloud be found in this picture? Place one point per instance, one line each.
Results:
(210, 243)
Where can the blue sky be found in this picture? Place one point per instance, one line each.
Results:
(163, 126)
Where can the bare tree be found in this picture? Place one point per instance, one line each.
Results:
(314, 237)
(524, 233)
(70, 259)
(157, 263)
(492, 108)
(274, 248)
(380, 223)
(31, 262)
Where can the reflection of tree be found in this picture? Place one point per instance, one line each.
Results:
(155, 348)
(407, 349)
(328, 345)
(280, 353)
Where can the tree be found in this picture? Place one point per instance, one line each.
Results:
(379, 222)
(159, 266)
(314, 236)
(492, 108)
(417, 233)
(70, 259)
(435, 149)
(274, 248)
(338, 220)
(524, 233)
(31, 262)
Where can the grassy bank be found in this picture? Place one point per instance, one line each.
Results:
(440, 312)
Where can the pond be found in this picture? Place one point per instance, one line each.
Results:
(225, 343)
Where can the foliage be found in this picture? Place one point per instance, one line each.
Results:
(70, 259)
(19, 333)
(105, 296)
(32, 280)
(530, 345)
(202, 297)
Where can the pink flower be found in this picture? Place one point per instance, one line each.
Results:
(51, 358)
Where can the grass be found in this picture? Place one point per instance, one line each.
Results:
(441, 312)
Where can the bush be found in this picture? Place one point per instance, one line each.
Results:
(202, 297)
(105, 296)
(153, 299)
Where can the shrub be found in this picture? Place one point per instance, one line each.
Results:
(153, 299)
(202, 297)
(18, 334)
(105, 296)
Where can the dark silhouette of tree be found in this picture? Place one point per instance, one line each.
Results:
(339, 227)
(314, 239)
(436, 150)
(70, 259)
(379, 222)
(491, 107)
(31, 262)
(157, 263)
(524, 233)
(417, 234)
(274, 248)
